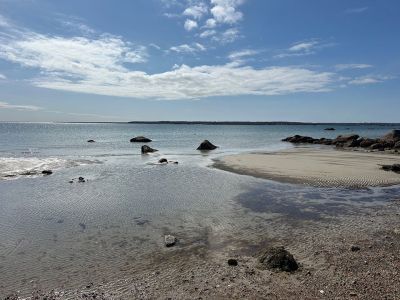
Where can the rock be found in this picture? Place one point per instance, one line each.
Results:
(82, 225)
(81, 179)
(298, 139)
(140, 139)
(393, 136)
(397, 145)
(355, 248)
(377, 146)
(91, 141)
(146, 149)
(206, 145)
(232, 262)
(279, 258)
(71, 181)
(163, 161)
(342, 139)
(365, 142)
(330, 129)
(169, 240)
(47, 172)
(394, 168)
(352, 143)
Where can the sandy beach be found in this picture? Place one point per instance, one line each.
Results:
(318, 167)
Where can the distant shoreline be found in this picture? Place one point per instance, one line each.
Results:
(221, 123)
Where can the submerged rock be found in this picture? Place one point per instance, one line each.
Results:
(169, 240)
(330, 129)
(146, 149)
(140, 139)
(47, 172)
(279, 258)
(206, 145)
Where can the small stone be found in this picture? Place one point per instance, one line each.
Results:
(47, 172)
(81, 179)
(169, 240)
(355, 248)
(91, 141)
(232, 262)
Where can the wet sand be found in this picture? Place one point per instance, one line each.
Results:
(317, 167)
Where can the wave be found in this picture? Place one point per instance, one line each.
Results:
(15, 167)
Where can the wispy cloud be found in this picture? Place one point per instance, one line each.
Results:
(342, 67)
(228, 36)
(185, 48)
(225, 11)
(304, 48)
(196, 11)
(2, 77)
(356, 10)
(369, 79)
(6, 105)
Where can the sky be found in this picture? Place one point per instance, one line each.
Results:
(206, 60)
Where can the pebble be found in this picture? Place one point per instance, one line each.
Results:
(232, 262)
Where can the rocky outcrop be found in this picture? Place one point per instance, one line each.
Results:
(390, 141)
(206, 146)
(140, 139)
(278, 258)
(146, 149)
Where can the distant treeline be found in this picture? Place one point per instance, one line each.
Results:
(256, 123)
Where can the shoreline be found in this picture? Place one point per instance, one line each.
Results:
(317, 167)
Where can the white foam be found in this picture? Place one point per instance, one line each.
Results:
(15, 167)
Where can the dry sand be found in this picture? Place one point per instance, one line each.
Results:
(318, 167)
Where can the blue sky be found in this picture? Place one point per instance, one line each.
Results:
(244, 60)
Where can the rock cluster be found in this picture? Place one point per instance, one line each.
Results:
(394, 168)
(388, 142)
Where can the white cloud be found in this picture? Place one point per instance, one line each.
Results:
(224, 11)
(207, 33)
(228, 36)
(99, 66)
(210, 23)
(190, 25)
(185, 48)
(196, 11)
(303, 46)
(242, 53)
(342, 67)
(3, 77)
(356, 10)
(6, 105)
(369, 79)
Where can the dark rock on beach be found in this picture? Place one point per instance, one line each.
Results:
(355, 248)
(146, 149)
(394, 168)
(91, 141)
(232, 262)
(169, 240)
(47, 172)
(163, 161)
(206, 145)
(392, 137)
(140, 139)
(279, 258)
(81, 179)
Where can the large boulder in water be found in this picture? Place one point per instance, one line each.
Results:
(146, 149)
(391, 137)
(206, 145)
(280, 259)
(140, 139)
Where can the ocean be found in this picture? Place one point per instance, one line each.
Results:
(57, 234)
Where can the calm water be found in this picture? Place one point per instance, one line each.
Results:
(57, 234)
